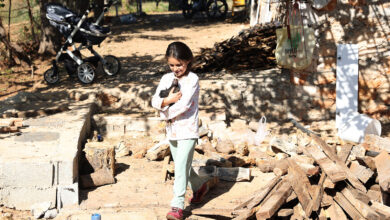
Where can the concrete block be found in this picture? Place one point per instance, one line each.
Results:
(67, 171)
(26, 173)
(68, 195)
(24, 198)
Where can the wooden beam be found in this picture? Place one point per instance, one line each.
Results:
(285, 212)
(362, 173)
(275, 201)
(336, 212)
(347, 206)
(301, 186)
(328, 151)
(384, 210)
(344, 152)
(259, 196)
(328, 166)
(319, 192)
(362, 207)
(383, 167)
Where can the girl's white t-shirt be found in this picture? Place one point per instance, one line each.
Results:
(183, 115)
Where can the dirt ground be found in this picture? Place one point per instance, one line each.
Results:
(139, 192)
(139, 46)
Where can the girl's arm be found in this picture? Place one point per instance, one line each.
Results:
(185, 102)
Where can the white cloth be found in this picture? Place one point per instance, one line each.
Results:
(184, 113)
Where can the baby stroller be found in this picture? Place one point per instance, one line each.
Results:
(79, 30)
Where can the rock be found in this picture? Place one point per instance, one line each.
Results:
(49, 214)
(224, 146)
(241, 149)
(121, 150)
(39, 209)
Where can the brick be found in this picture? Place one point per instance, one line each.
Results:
(26, 173)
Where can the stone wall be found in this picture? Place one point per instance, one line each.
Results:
(367, 24)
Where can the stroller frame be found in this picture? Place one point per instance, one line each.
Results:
(52, 76)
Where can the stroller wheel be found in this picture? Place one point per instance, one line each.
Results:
(51, 76)
(86, 73)
(112, 66)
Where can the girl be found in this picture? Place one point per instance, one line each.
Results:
(180, 109)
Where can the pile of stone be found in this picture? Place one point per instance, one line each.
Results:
(252, 48)
(321, 181)
(10, 125)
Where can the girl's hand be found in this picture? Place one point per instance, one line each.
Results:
(171, 98)
(174, 97)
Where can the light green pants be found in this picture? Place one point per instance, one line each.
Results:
(182, 153)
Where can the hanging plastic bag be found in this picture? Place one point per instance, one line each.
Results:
(262, 131)
(295, 42)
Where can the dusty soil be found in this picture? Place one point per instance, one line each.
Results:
(139, 46)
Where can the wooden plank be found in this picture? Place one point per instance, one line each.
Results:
(376, 143)
(285, 212)
(384, 210)
(322, 215)
(344, 152)
(259, 196)
(319, 192)
(329, 152)
(275, 201)
(362, 207)
(347, 206)
(291, 197)
(309, 169)
(328, 166)
(383, 167)
(368, 162)
(336, 212)
(361, 172)
(301, 185)
(299, 213)
(327, 200)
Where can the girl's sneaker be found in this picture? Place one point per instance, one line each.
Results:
(175, 214)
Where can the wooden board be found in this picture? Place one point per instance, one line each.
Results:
(341, 164)
(259, 196)
(344, 152)
(301, 186)
(384, 210)
(275, 201)
(319, 192)
(347, 206)
(362, 207)
(383, 167)
(336, 212)
(362, 173)
(327, 166)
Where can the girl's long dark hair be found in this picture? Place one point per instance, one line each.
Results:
(180, 51)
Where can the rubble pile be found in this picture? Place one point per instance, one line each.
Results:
(321, 181)
(251, 48)
(316, 175)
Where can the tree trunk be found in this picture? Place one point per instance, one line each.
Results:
(99, 9)
(35, 37)
(19, 56)
(9, 28)
(50, 37)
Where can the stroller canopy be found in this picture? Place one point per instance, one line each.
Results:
(59, 13)
(62, 18)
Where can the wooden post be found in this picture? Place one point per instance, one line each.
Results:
(9, 27)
